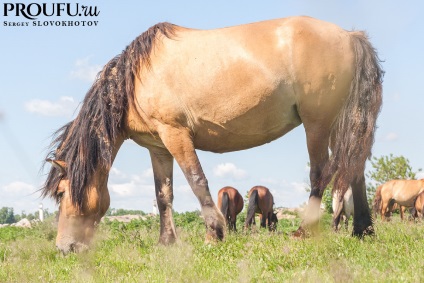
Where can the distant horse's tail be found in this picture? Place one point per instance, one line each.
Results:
(224, 205)
(376, 205)
(253, 201)
(352, 134)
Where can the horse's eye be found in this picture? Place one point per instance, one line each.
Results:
(60, 195)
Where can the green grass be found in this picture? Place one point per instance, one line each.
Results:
(130, 253)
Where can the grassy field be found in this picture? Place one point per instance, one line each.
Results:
(129, 253)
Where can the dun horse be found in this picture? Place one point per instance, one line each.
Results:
(402, 192)
(342, 207)
(261, 201)
(389, 211)
(174, 90)
(230, 202)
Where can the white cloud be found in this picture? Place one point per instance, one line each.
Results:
(229, 170)
(84, 71)
(419, 175)
(18, 188)
(66, 106)
(126, 189)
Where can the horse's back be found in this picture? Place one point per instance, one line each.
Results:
(244, 86)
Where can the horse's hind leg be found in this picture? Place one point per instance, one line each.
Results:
(264, 217)
(317, 142)
(362, 222)
(180, 145)
(162, 163)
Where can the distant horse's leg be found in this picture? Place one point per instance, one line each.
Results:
(180, 145)
(336, 222)
(362, 222)
(317, 143)
(234, 223)
(402, 212)
(338, 207)
(269, 220)
(346, 221)
(384, 206)
(162, 163)
(264, 217)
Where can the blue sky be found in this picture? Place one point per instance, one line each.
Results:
(46, 71)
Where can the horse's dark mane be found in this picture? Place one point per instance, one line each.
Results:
(86, 143)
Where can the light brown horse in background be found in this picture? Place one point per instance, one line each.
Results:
(261, 201)
(231, 203)
(402, 192)
(376, 207)
(174, 90)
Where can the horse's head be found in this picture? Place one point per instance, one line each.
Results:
(78, 217)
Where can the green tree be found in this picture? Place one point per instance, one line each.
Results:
(386, 168)
(6, 215)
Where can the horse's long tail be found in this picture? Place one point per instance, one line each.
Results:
(355, 125)
(376, 205)
(253, 201)
(224, 205)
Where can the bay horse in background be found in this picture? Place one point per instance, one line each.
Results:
(342, 207)
(231, 203)
(261, 201)
(402, 192)
(174, 90)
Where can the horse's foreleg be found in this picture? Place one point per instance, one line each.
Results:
(180, 145)
(402, 211)
(362, 222)
(162, 163)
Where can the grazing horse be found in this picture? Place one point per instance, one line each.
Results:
(230, 202)
(174, 90)
(261, 201)
(402, 192)
(342, 207)
(377, 205)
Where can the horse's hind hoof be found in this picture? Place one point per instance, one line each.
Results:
(300, 233)
(361, 233)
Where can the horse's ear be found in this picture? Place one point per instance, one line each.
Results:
(58, 164)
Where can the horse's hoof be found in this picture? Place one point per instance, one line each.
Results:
(300, 233)
(361, 233)
(166, 241)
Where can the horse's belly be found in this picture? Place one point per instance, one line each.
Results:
(252, 129)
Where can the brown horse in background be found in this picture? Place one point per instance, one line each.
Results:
(261, 201)
(230, 202)
(402, 192)
(175, 90)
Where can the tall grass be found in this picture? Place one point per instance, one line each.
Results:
(130, 253)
